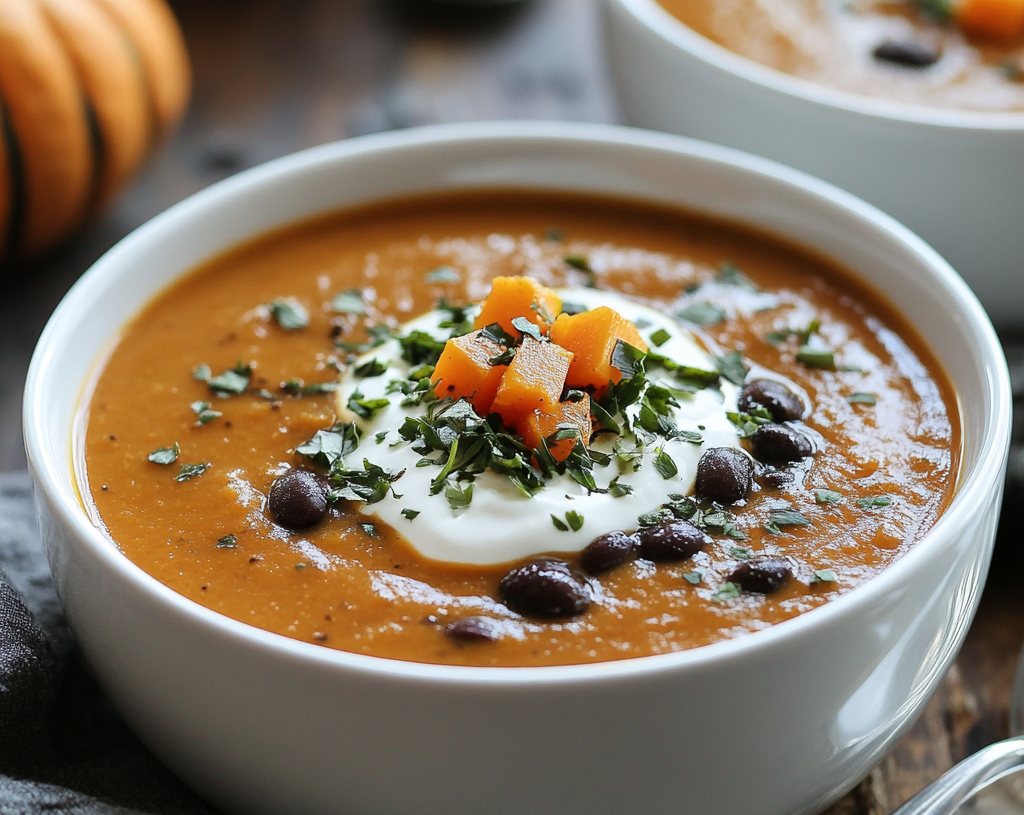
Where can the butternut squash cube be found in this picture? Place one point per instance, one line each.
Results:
(539, 425)
(533, 381)
(518, 297)
(464, 371)
(1000, 19)
(591, 336)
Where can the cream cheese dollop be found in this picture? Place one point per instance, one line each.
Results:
(501, 524)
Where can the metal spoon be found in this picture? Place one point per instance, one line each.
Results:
(966, 779)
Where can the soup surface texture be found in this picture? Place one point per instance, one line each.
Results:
(215, 392)
(891, 49)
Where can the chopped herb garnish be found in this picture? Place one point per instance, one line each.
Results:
(188, 471)
(329, 446)
(554, 234)
(725, 592)
(573, 308)
(349, 302)
(443, 274)
(617, 489)
(802, 335)
(627, 360)
(227, 542)
(824, 576)
(579, 263)
(369, 529)
(779, 519)
(747, 423)
(560, 525)
(730, 275)
(940, 10)
(370, 368)
(366, 408)
(702, 314)
(290, 314)
(574, 519)
(740, 553)
(813, 357)
(202, 373)
(410, 513)
(692, 577)
(296, 387)
(369, 485)
(379, 437)
(665, 466)
(504, 358)
(233, 382)
(524, 326)
(876, 501)
(861, 398)
(827, 497)
(204, 412)
(419, 348)
(660, 337)
(459, 497)
(731, 367)
(165, 455)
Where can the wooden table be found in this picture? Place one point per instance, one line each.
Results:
(272, 77)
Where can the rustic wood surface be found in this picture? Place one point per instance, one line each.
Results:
(272, 77)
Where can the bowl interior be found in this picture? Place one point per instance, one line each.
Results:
(589, 159)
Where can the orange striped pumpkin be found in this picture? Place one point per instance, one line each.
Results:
(87, 89)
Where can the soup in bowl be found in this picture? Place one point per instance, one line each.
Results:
(799, 82)
(245, 427)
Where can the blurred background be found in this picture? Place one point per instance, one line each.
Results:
(274, 76)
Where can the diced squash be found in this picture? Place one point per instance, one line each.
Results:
(1001, 19)
(540, 425)
(464, 371)
(591, 336)
(533, 381)
(519, 297)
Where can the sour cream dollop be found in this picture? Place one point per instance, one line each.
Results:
(501, 524)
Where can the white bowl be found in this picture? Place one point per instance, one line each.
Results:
(954, 177)
(783, 720)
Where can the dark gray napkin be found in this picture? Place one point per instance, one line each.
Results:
(63, 748)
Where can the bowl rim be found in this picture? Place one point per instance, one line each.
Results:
(47, 472)
(662, 24)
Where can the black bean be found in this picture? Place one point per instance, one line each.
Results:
(544, 588)
(725, 475)
(776, 398)
(298, 499)
(474, 629)
(779, 442)
(607, 552)
(907, 53)
(761, 575)
(675, 540)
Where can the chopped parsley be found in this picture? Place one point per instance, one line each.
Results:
(165, 455)
(204, 412)
(665, 465)
(527, 328)
(816, 357)
(330, 446)
(780, 519)
(573, 520)
(731, 367)
(410, 513)
(726, 592)
(227, 542)
(370, 368)
(827, 497)
(297, 387)
(824, 576)
(876, 501)
(188, 471)
(349, 302)
(579, 262)
(692, 577)
(289, 313)
(702, 314)
(231, 382)
(861, 398)
(443, 274)
(660, 337)
(366, 408)
(730, 275)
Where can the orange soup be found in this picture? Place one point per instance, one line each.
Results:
(966, 54)
(757, 433)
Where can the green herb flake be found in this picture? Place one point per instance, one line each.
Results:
(702, 314)
(300, 566)
(726, 592)
(204, 412)
(410, 513)
(165, 455)
(660, 337)
(740, 553)
(827, 497)
(233, 382)
(370, 530)
(370, 368)
(731, 367)
(366, 408)
(188, 471)
(574, 519)
(329, 446)
(619, 490)
(560, 525)
(814, 357)
(554, 234)
(779, 519)
(824, 576)
(349, 302)
(874, 502)
(443, 274)
(579, 262)
(297, 387)
(289, 313)
(665, 465)
(227, 542)
(458, 497)
(730, 275)
(202, 373)
(527, 328)
(692, 577)
(861, 398)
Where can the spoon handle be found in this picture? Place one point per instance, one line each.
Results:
(945, 795)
